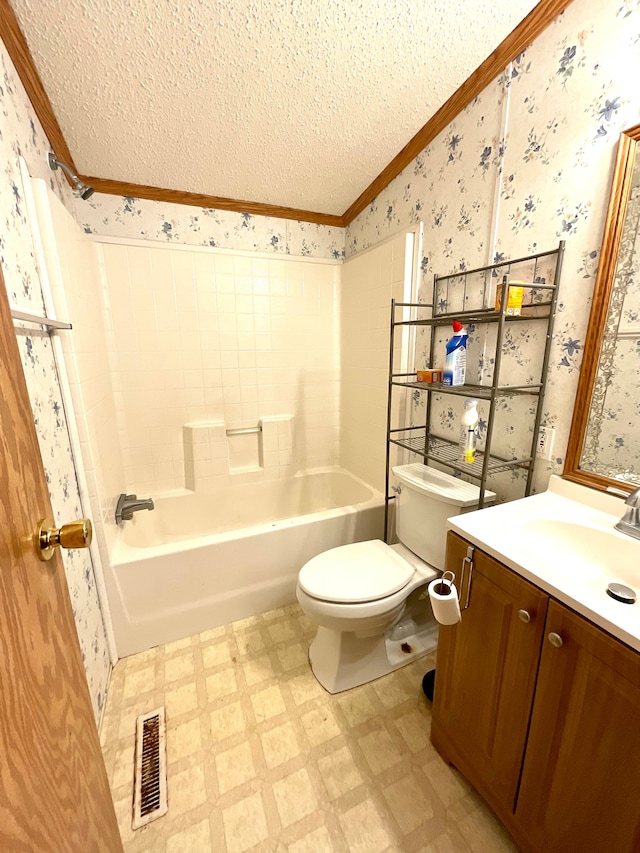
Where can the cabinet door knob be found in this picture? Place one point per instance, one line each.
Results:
(524, 616)
(555, 639)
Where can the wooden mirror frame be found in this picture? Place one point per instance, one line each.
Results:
(620, 189)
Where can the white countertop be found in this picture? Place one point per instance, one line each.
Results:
(564, 542)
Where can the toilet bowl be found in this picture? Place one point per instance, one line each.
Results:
(356, 595)
(369, 599)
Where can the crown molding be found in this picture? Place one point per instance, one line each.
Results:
(518, 39)
(105, 185)
(529, 29)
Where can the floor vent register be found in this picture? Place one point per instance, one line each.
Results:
(150, 781)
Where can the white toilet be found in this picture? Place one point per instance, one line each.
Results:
(370, 599)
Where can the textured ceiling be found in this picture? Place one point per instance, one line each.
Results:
(298, 103)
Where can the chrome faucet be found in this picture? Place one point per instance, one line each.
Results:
(128, 504)
(630, 521)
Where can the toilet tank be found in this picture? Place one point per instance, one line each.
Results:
(426, 499)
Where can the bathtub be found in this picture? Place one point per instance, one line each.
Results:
(202, 560)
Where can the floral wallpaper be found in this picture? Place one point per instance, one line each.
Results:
(22, 135)
(527, 163)
(132, 218)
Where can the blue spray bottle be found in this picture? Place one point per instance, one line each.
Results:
(455, 363)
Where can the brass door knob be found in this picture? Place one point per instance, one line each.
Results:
(77, 534)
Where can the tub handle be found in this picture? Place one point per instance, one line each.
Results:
(128, 504)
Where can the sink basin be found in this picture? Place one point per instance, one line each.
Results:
(584, 552)
(564, 541)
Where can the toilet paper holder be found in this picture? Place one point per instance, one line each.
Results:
(446, 583)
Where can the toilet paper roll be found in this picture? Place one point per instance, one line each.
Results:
(446, 607)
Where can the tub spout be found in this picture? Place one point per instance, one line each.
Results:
(128, 504)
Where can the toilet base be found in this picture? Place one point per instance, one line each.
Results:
(341, 660)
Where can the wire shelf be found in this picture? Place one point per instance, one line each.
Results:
(482, 392)
(447, 452)
(488, 315)
(474, 292)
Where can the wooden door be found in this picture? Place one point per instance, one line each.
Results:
(485, 677)
(580, 786)
(54, 793)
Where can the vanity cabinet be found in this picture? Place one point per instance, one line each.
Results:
(580, 787)
(486, 674)
(546, 727)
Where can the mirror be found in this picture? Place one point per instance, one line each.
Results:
(604, 444)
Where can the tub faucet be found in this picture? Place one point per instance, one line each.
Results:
(630, 521)
(128, 504)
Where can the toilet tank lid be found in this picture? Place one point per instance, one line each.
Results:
(441, 486)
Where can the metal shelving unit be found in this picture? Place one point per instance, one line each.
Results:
(422, 440)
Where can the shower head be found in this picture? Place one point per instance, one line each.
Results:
(83, 190)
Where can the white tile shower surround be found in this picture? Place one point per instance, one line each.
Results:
(262, 759)
(199, 335)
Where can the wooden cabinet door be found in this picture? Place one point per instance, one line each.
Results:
(580, 786)
(485, 676)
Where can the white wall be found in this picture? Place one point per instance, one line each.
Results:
(205, 335)
(369, 282)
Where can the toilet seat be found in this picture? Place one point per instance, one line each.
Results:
(357, 573)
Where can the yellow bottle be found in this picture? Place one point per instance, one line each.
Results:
(468, 426)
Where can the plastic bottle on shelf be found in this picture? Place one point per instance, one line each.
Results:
(468, 426)
(455, 362)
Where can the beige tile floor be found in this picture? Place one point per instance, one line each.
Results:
(261, 758)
